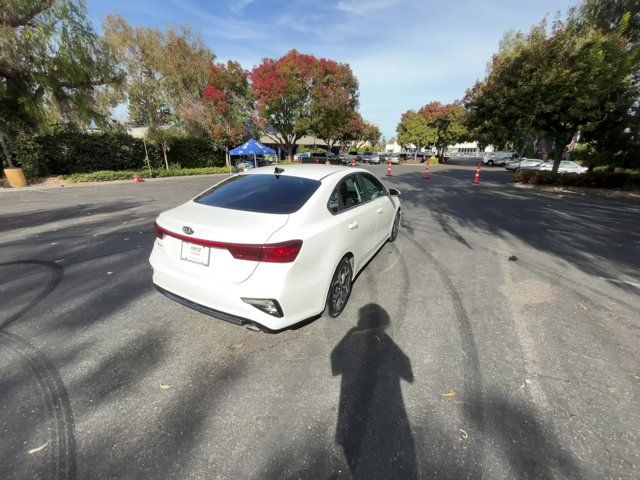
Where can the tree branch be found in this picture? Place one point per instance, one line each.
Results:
(28, 16)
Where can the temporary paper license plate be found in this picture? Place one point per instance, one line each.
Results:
(195, 253)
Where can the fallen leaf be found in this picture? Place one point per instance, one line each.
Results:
(583, 307)
(464, 434)
(449, 394)
(164, 386)
(637, 375)
(35, 450)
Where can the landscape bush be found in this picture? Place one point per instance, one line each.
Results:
(629, 179)
(108, 175)
(65, 153)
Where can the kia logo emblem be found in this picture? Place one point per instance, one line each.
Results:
(187, 230)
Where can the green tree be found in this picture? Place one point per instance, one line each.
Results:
(414, 130)
(166, 71)
(447, 124)
(53, 66)
(334, 100)
(560, 83)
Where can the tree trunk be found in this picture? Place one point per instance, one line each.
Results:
(164, 152)
(557, 157)
(5, 150)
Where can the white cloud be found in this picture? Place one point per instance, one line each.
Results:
(239, 5)
(364, 7)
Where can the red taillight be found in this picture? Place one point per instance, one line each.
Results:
(283, 252)
(245, 252)
(158, 230)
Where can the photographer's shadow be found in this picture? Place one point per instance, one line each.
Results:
(373, 429)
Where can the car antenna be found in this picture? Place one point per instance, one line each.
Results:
(278, 171)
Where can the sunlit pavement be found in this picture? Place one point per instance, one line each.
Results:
(450, 360)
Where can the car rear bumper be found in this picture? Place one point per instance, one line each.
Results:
(300, 291)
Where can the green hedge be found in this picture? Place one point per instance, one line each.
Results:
(66, 153)
(629, 179)
(108, 175)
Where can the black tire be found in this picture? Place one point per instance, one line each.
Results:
(490, 163)
(395, 227)
(340, 289)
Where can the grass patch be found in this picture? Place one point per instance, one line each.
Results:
(629, 179)
(109, 175)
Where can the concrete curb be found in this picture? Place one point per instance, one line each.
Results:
(634, 194)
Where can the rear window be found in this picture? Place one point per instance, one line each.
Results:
(260, 193)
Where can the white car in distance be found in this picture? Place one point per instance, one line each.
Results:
(498, 158)
(566, 166)
(271, 248)
(523, 164)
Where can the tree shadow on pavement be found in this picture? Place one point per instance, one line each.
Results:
(599, 236)
(373, 428)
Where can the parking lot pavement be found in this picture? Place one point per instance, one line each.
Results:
(450, 360)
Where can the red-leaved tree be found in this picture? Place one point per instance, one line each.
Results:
(228, 105)
(298, 94)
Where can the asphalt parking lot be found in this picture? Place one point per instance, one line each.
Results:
(481, 367)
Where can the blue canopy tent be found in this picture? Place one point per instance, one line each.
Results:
(252, 147)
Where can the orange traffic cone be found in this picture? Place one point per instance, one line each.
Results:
(476, 177)
(426, 171)
(389, 170)
(136, 178)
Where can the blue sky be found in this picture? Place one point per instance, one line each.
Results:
(404, 53)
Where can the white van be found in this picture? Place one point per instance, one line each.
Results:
(499, 158)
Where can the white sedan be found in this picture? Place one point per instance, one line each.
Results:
(271, 248)
(565, 167)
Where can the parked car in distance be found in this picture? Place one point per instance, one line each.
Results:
(523, 164)
(365, 157)
(566, 166)
(322, 157)
(246, 162)
(301, 155)
(393, 158)
(273, 247)
(374, 158)
(348, 159)
(499, 158)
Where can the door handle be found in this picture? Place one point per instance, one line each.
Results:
(353, 225)
(379, 210)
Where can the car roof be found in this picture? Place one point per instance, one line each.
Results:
(311, 171)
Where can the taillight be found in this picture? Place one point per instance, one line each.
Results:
(283, 252)
(158, 230)
(245, 252)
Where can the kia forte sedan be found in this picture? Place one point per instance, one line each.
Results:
(273, 247)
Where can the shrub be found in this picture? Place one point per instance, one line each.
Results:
(77, 152)
(109, 175)
(29, 156)
(628, 179)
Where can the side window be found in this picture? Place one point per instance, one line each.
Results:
(372, 187)
(347, 194)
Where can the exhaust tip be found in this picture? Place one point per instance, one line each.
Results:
(252, 327)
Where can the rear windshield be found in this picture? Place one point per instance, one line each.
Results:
(260, 193)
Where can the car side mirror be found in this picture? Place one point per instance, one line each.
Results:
(394, 193)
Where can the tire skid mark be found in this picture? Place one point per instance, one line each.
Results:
(472, 381)
(61, 445)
